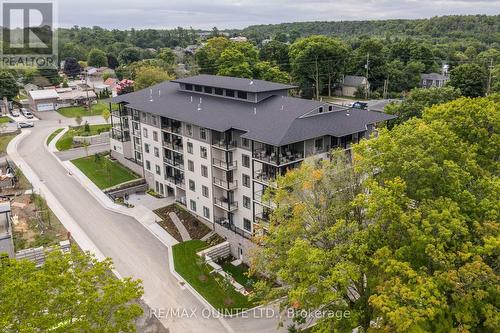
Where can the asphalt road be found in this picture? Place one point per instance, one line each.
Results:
(134, 250)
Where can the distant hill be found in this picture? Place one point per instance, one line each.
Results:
(483, 28)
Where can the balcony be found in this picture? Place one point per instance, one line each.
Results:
(278, 159)
(226, 223)
(224, 165)
(266, 178)
(225, 144)
(225, 204)
(172, 128)
(175, 162)
(263, 219)
(224, 184)
(177, 147)
(258, 198)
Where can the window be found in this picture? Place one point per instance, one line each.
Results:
(146, 148)
(157, 152)
(189, 129)
(192, 185)
(192, 205)
(246, 180)
(219, 91)
(206, 212)
(204, 191)
(138, 156)
(245, 142)
(245, 161)
(203, 152)
(242, 94)
(318, 144)
(247, 225)
(153, 120)
(155, 136)
(229, 93)
(208, 90)
(190, 165)
(204, 171)
(158, 169)
(189, 87)
(197, 88)
(246, 202)
(190, 147)
(145, 132)
(148, 165)
(203, 133)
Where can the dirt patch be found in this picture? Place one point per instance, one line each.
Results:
(194, 227)
(169, 226)
(34, 224)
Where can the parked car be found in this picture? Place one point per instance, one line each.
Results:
(15, 113)
(24, 124)
(27, 113)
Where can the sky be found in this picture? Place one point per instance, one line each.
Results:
(205, 14)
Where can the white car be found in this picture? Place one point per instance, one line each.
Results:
(24, 124)
(15, 113)
(27, 113)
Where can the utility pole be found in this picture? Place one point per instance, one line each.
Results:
(386, 86)
(87, 90)
(367, 67)
(317, 80)
(489, 77)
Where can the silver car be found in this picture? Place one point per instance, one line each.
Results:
(25, 124)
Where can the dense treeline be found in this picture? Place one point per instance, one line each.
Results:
(482, 28)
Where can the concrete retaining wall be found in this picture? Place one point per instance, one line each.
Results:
(217, 252)
(237, 242)
(129, 164)
(93, 139)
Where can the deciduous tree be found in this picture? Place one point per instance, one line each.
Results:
(97, 58)
(470, 79)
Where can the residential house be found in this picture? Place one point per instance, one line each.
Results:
(216, 143)
(433, 80)
(351, 83)
(43, 100)
(30, 87)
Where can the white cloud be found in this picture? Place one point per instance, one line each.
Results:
(240, 13)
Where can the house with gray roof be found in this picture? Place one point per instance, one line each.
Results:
(217, 143)
(351, 83)
(433, 80)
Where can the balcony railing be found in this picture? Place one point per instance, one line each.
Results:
(225, 184)
(262, 219)
(173, 146)
(225, 144)
(177, 163)
(225, 204)
(258, 197)
(224, 165)
(266, 179)
(224, 222)
(278, 158)
(172, 129)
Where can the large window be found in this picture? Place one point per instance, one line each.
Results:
(318, 144)
(204, 171)
(157, 152)
(242, 94)
(197, 88)
(203, 133)
(246, 202)
(190, 147)
(208, 90)
(190, 165)
(145, 132)
(158, 170)
(148, 165)
(155, 136)
(246, 180)
(204, 191)
(189, 87)
(245, 161)
(219, 91)
(192, 185)
(192, 205)
(203, 152)
(247, 224)
(189, 129)
(146, 148)
(229, 93)
(206, 212)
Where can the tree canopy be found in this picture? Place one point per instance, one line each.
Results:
(97, 58)
(147, 76)
(470, 79)
(9, 87)
(406, 238)
(70, 292)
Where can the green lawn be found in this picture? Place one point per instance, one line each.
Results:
(4, 120)
(66, 141)
(73, 111)
(239, 273)
(4, 141)
(103, 172)
(186, 264)
(51, 136)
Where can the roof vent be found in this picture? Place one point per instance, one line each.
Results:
(251, 82)
(150, 95)
(282, 107)
(191, 101)
(254, 110)
(199, 107)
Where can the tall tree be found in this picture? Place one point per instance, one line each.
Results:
(232, 62)
(71, 67)
(277, 53)
(147, 76)
(70, 292)
(129, 55)
(8, 86)
(317, 60)
(264, 70)
(209, 54)
(470, 79)
(97, 58)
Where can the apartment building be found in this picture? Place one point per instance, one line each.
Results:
(217, 143)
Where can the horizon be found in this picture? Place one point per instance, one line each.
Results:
(201, 15)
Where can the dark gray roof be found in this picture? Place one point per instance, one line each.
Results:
(353, 80)
(235, 83)
(434, 76)
(275, 120)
